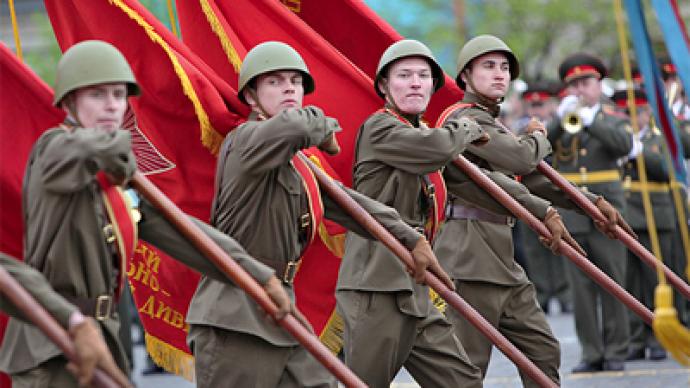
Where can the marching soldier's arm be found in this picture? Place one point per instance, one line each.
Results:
(69, 160)
(385, 215)
(273, 142)
(414, 150)
(612, 133)
(463, 187)
(155, 229)
(505, 151)
(540, 185)
(37, 285)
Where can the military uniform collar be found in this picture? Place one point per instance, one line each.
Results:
(414, 120)
(491, 108)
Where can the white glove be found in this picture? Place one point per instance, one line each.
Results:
(587, 114)
(567, 105)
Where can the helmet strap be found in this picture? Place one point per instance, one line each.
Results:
(484, 99)
(72, 117)
(259, 108)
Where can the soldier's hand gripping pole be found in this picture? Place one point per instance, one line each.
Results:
(520, 212)
(626, 238)
(242, 279)
(453, 299)
(37, 315)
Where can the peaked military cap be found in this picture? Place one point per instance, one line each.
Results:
(581, 65)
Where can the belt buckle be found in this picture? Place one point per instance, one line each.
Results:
(291, 271)
(109, 233)
(305, 220)
(104, 304)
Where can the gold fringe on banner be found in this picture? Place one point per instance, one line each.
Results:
(332, 334)
(229, 50)
(210, 138)
(170, 358)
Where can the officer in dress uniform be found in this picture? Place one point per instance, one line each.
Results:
(543, 268)
(587, 154)
(641, 279)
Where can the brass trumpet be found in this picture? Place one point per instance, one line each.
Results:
(572, 122)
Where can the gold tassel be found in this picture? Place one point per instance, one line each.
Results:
(332, 334)
(210, 138)
(672, 335)
(170, 358)
(225, 43)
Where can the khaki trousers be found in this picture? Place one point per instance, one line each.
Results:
(603, 336)
(227, 358)
(379, 340)
(514, 311)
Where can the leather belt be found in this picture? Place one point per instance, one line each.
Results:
(285, 270)
(101, 307)
(461, 212)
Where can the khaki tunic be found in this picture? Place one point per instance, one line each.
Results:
(373, 287)
(259, 201)
(64, 217)
(479, 254)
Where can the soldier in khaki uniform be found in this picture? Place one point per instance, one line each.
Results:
(268, 200)
(476, 243)
(544, 269)
(389, 320)
(588, 158)
(73, 234)
(641, 280)
(89, 345)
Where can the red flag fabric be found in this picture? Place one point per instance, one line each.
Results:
(182, 115)
(346, 24)
(25, 112)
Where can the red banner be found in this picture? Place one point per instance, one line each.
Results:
(25, 112)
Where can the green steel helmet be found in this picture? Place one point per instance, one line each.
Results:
(403, 49)
(92, 62)
(272, 56)
(484, 44)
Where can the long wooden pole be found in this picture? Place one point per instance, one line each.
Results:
(47, 324)
(242, 279)
(451, 297)
(638, 249)
(520, 212)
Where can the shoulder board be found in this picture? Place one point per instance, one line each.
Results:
(450, 110)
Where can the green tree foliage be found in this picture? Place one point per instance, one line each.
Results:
(541, 32)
